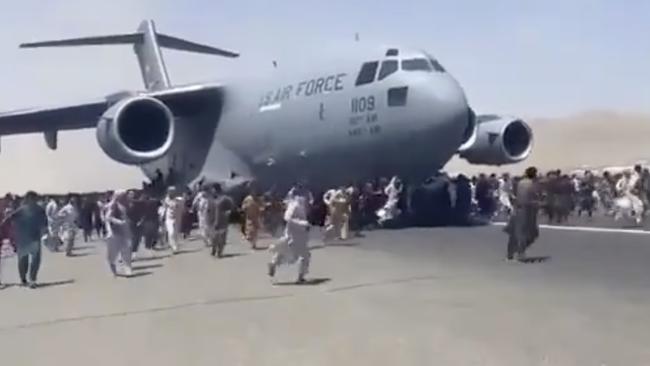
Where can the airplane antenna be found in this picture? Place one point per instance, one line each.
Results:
(275, 64)
(356, 37)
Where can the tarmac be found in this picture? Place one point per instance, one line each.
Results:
(441, 296)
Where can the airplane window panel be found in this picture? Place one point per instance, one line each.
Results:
(392, 52)
(387, 68)
(397, 96)
(416, 64)
(437, 66)
(367, 73)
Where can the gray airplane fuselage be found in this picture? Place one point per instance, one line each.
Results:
(321, 127)
(343, 115)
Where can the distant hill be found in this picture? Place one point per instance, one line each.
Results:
(594, 139)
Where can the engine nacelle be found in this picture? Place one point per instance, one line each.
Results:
(498, 140)
(136, 130)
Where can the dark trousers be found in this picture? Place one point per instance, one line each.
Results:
(29, 263)
(136, 231)
(88, 233)
(355, 221)
(100, 229)
(513, 247)
(219, 242)
(150, 234)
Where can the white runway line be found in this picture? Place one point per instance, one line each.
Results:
(587, 229)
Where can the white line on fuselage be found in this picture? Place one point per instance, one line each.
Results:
(587, 229)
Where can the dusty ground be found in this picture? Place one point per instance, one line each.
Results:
(408, 297)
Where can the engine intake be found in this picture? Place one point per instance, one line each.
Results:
(498, 140)
(136, 130)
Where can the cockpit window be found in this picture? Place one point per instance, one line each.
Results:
(367, 73)
(392, 52)
(387, 67)
(437, 66)
(416, 64)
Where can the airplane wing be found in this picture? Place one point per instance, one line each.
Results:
(73, 117)
(182, 100)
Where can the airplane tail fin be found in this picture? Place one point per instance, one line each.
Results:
(147, 44)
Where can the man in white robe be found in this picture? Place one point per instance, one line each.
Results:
(173, 206)
(118, 240)
(53, 224)
(201, 205)
(293, 247)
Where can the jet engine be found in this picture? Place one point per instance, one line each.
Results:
(497, 140)
(136, 130)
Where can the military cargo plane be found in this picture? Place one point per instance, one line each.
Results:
(365, 113)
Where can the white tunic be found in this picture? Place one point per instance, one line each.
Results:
(68, 216)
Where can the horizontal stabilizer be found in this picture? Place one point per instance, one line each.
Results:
(132, 38)
(147, 44)
(170, 42)
(164, 41)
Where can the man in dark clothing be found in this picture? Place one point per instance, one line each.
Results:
(219, 219)
(354, 195)
(463, 206)
(586, 194)
(317, 212)
(553, 190)
(98, 217)
(135, 212)
(30, 224)
(88, 208)
(368, 206)
(150, 221)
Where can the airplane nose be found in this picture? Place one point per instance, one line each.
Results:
(450, 107)
(447, 90)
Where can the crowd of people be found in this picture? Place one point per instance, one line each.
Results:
(521, 200)
(127, 219)
(564, 195)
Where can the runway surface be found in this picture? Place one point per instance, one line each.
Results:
(409, 297)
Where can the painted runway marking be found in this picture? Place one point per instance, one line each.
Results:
(587, 229)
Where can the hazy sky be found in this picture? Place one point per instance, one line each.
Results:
(533, 58)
